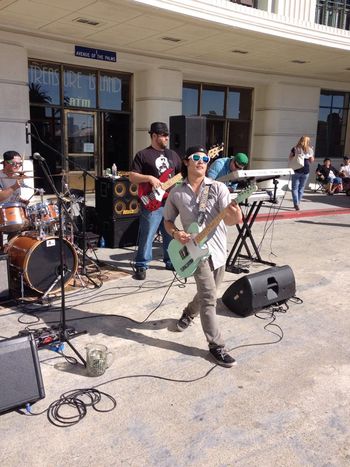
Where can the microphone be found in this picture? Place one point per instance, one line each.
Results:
(27, 133)
(38, 157)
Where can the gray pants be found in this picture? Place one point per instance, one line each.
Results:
(204, 302)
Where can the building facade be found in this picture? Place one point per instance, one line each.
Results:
(91, 76)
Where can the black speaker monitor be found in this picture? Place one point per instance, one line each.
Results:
(21, 380)
(120, 233)
(4, 277)
(187, 131)
(256, 291)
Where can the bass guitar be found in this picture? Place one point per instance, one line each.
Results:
(152, 198)
(186, 257)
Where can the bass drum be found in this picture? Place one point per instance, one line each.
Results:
(38, 261)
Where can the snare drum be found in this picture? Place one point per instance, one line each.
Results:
(13, 217)
(38, 261)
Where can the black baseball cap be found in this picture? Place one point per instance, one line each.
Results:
(194, 149)
(160, 128)
(10, 155)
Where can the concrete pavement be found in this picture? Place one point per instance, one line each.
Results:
(286, 403)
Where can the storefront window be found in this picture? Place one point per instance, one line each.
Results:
(190, 99)
(213, 101)
(239, 104)
(113, 92)
(79, 88)
(332, 124)
(44, 83)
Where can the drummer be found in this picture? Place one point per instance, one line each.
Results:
(10, 182)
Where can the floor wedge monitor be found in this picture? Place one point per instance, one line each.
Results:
(254, 292)
(21, 380)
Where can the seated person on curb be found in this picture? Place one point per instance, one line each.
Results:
(344, 171)
(225, 165)
(329, 175)
(200, 199)
(148, 165)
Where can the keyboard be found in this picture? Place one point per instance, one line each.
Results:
(262, 174)
(259, 195)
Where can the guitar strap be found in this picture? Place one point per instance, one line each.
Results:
(203, 204)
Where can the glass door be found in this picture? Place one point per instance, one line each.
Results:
(81, 147)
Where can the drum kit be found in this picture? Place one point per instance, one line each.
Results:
(33, 247)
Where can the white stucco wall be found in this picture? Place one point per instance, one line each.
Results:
(14, 98)
(158, 95)
(283, 113)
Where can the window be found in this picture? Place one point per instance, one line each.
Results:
(332, 124)
(227, 111)
(190, 99)
(96, 132)
(335, 13)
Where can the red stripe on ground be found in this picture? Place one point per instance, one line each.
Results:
(299, 214)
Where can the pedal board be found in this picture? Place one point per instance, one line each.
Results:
(46, 336)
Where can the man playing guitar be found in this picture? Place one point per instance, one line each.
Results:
(187, 201)
(147, 167)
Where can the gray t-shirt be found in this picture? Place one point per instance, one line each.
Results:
(6, 182)
(184, 202)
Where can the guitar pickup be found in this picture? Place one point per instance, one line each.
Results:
(183, 252)
(185, 266)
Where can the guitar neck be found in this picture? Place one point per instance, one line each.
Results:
(217, 219)
(171, 181)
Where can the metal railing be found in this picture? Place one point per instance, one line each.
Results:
(335, 13)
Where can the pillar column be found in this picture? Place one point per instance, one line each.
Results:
(14, 98)
(158, 95)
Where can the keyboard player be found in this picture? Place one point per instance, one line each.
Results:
(225, 165)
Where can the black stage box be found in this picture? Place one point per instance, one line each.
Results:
(21, 380)
(4, 277)
(260, 290)
(187, 131)
(122, 232)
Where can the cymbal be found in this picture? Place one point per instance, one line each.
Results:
(21, 177)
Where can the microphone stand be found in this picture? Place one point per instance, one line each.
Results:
(63, 333)
(85, 173)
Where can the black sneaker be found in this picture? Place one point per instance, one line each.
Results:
(140, 274)
(221, 357)
(184, 321)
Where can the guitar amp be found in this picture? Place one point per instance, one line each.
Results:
(116, 198)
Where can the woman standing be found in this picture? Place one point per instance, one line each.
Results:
(305, 152)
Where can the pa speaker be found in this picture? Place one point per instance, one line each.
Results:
(116, 197)
(260, 290)
(122, 232)
(4, 277)
(21, 380)
(187, 131)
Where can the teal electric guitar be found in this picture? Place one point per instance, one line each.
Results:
(186, 258)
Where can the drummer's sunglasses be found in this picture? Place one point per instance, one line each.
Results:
(14, 164)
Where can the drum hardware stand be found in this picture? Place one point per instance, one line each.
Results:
(62, 328)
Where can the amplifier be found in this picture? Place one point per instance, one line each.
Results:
(4, 277)
(116, 198)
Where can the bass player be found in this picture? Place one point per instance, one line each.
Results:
(201, 199)
(147, 167)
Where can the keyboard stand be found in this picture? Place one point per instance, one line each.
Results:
(245, 234)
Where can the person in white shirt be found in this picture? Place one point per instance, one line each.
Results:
(344, 171)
